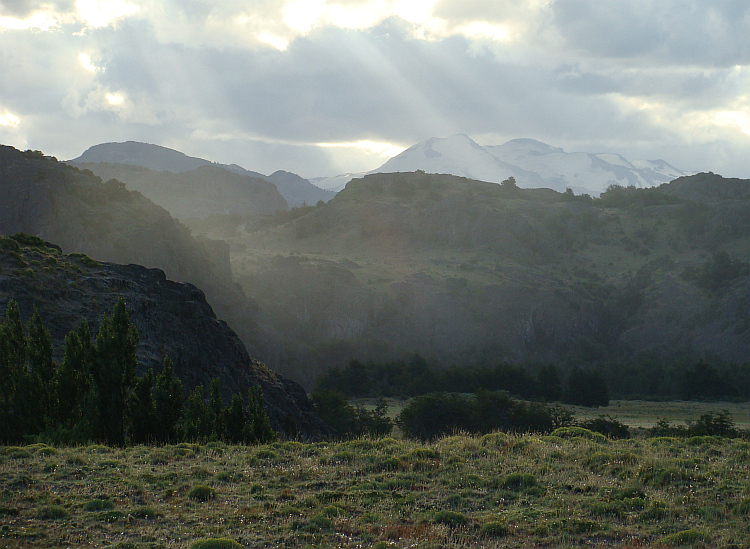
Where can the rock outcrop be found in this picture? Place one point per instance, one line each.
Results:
(172, 318)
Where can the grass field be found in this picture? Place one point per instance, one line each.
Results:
(577, 490)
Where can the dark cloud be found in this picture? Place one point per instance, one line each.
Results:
(23, 8)
(692, 32)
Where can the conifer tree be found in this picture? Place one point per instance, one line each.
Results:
(235, 420)
(258, 427)
(194, 419)
(169, 401)
(12, 372)
(41, 393)
(215, 410)
(141, 411)
(72, 378)
(113, 374)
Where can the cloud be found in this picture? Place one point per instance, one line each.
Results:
(22, 9)
(685, 32)
(263, 83)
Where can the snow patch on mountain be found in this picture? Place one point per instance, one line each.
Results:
(532, 163)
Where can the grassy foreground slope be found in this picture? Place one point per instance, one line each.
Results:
(460, 491)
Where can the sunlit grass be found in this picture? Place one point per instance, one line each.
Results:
(459, 491)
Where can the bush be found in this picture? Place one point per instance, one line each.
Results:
(451, 518)
(202, 493)
(53, 512)
(495, 529)
(437, 414)
(143, 512)
(516, 482)
(685, 537)
(572, 432)
(216, 543)
(607, 426)
(98, 505)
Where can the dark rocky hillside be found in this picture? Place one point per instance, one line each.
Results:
(172, 318)
(204, 191)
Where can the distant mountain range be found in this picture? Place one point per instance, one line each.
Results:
(532, 163)
(295, 190)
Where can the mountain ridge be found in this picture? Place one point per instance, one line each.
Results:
(296, 191)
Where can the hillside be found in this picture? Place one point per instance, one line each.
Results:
(295, 190)
(172, 318)
(204, 191)
(463, 271)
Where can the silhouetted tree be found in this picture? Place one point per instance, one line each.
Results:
(586, 388)
(169, 401)
(141, 411)
(548, 383)
(113, 374)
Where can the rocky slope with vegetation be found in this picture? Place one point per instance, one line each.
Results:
(466, 272)
(173, 319)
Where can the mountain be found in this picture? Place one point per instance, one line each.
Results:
(206, 190)
(337, 182)
(467, 272)
(295, 190)
(533, 164)
(172, 318)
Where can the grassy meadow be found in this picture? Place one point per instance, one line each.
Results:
(573, 490)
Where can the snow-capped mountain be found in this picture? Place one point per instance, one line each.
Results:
(337, 182)
(531, 163)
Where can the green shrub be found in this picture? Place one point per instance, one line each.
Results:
(495, 529)
(516, 482)
(53, 512)
(685, 537)
(450, 518)
(572, 432)
(111, 515)
(98, 505)
(216, 543)
(202, 493)
(607, 426)
(423, 453)
(144, 512)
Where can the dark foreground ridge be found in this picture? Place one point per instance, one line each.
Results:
(172, 318)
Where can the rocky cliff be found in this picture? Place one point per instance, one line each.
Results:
(172, 318)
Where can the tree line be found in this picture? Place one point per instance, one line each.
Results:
(95, 394)
(401, 378)
(641, 377)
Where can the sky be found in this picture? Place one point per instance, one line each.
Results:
(324, 87)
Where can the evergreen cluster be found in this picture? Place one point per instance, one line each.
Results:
(584, 387)
(437, 414)
(348, 421)
(95, 394)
